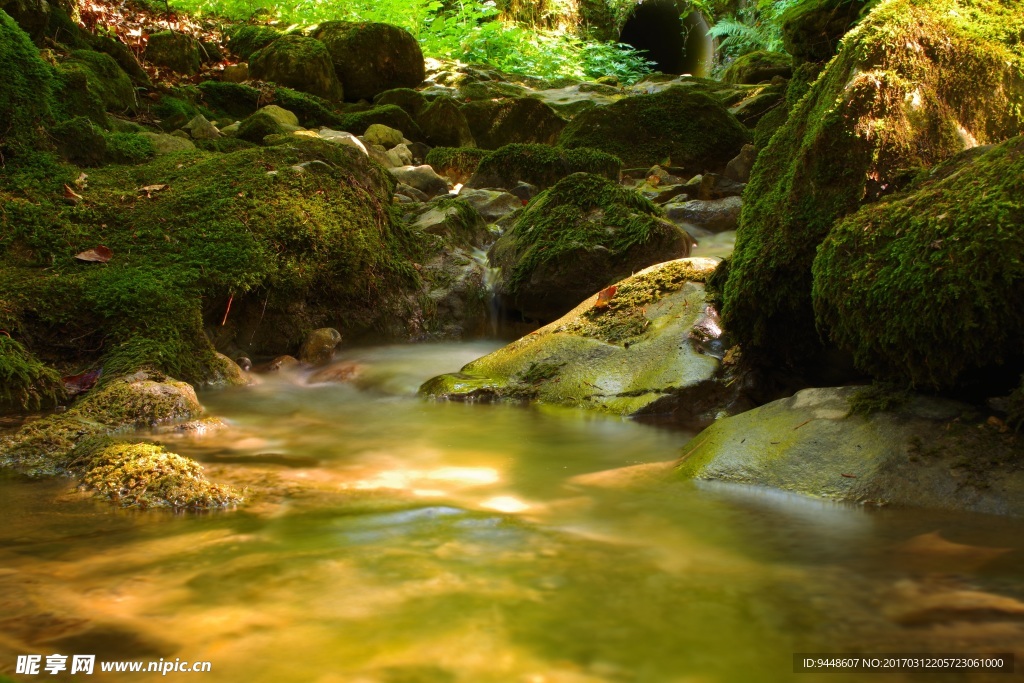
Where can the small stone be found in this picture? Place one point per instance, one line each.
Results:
(318, 349)
(236, 73)
(738, 169)
(201, 129)
(379, 134)
(339, 137)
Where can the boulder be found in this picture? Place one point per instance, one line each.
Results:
(491, 204)
(106, 80)
(342, 138)
(811, 31)
(412, 101)
(455, 220)
(175, 51)
(298, 62)
(579, 236)
(455, 163)
(713, 215)
(259, 126)
(679, 127)
(318, 349)
(201, 129)
(168, 144)
(371, 58)
(540, 165)
(422, 178)
(496, 123)
(444, 124)
(738, 169)
(387, 137)
(641, 353)
(246, 39)
(877, 113)
(927, 452)
(758, 67)
(25, 89)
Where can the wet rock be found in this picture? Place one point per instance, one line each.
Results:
(422, 178)
(176, 51)
(491, 204)
(630, 356)
(298, 62)
(371, 58)
(454, 219)
(318, 349)
(714, 186)
(379, 134)
(411, 193)
(167, 144)
(337, 373)
(715, 215)
(738, 169)
(279, 364)
(228, 373)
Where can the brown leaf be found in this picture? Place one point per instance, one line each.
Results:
(150, 189)
(604, 296)
(98, 254)
(77, 384)
(72, 197)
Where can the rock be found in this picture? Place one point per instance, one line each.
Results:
(759, 104)
(259, 126)
(444, 124)
(490, 90)
(181, 134)
(280, 115)
(455, 220)
(342, 138)
(491, 204)
(228, 373)
(80, 141)
(279, 364)
(371, 58)
(575, 238)
(455, 163)
(106, 80)
(318, 349)
(380, 134)
(876, 111)
(759, 66)
(359, 122)
(540, 165)
(298, 62)
(679, 126)
(201, 129)
(738, 169)
(525, 191)
(246, 39)
(411, 193)
(168, 144)
(175, 51)
(924, 287)
(811, 31)
(422, 178)
(401, 155)
(571, 100)
(715, 215)
(412, 101)
(496, 123)
(714, 186)
(917, 455)
(235, 73)
(633, 356)
(337, 373)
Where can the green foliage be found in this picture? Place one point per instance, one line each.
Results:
(755, 26)
(25, 382)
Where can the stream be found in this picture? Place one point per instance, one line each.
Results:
(392, 540)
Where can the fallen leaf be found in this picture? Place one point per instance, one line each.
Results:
(150, 189)
(98, 254)
(77, 384)
(604, 296)
(72, 197)
(81, 182)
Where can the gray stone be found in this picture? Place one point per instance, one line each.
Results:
(738, 169)
(491, 204)
(422, 178)
(201, 129)
(713, 215)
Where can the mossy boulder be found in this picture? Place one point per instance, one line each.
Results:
(926, 452)
(496, 123)
(454, 220)
(773, 119)
(80, 141)
(388, 115)
(812, 30)
(926, 287)
(455, 163)
(246, 39)
(297, 62)
(412, 101)
(759, 66)
(580, 235)
(25, 89)
(259, 126)
(371, 58)
(445, 125)
(541, 165)
(897, 98)
(176, 51)
(105, 79)
(679, 126)
(26, 383)
(640, 354)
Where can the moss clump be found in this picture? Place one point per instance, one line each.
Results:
(105, 79)
(912, 85)
(758, 67)
(878, 398)
(234, 99)
(371, 58)
(444, 124)
(147, 476)
(174, 112)
(456, 163)
(239, 101)
(388, 115)
(575, 238)
(258, 126)
(812, 29)
(80, 141)
(412, 101)
(129, 148)
(496, 123)
(803, 76)
(541, 165)
(679, 127)
(298, 62)
(926, 287)
(246, 39)
(177, 51)
(25, 89)
(25, 382)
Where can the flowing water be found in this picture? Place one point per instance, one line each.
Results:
(393, 540)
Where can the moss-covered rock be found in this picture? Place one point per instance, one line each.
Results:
(541, 165)
(759, 66)
(812, 30)
(639, 354)
(913, 84)
(679, 127)
(926, 287)
(297, 62)
(444, 124)
(105, 79)
(371, 58)
(25, 89)
(25, 382)
(246, 39)
(80, 141)
(259, 126)
(175, 51)
(773, 119)
(582, 234)
(388, 115)
(455, 163)
(412, 101)
(454, 220)
(496, 123)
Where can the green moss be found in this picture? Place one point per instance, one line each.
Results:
(176, 51)
(105, 79)
(258, 126)
(389, 115)
(147, 476)
(679, 126)
(174, 112)
(246, 39)
(496, 123)
(25, 89)
(80, 141)
(925, 287)
(877, 398)
(25, 382)
(890, 101)
(129, 148)
(371, 58)
(758, 66)
(234, 99)
(812, 29)
(542, 165)
(412, 101)
(299, 62)
(455, 162)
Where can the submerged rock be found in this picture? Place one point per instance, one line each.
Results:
(925, 453)
(641, 352)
